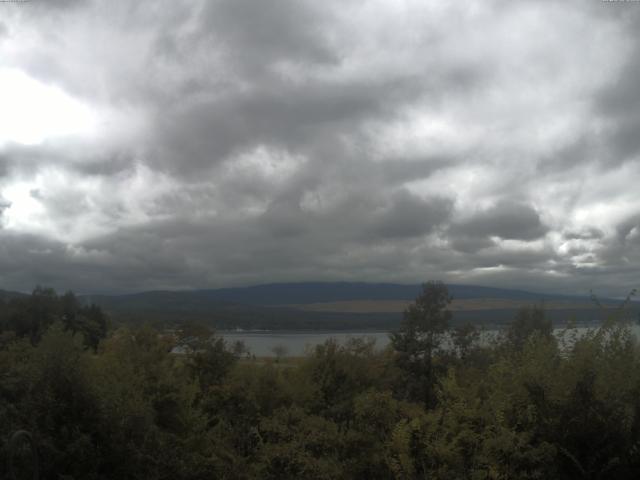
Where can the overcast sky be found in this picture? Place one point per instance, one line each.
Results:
(199, 144)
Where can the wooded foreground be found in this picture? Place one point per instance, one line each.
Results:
(115, 403)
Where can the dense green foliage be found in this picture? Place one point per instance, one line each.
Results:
(435, 404)
(30, 316)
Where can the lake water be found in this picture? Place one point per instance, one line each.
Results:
(262, 344)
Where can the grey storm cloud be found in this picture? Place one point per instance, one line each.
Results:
(505, 220)
(619, 102)
(246, 141)
(408, 216)
(261, 34)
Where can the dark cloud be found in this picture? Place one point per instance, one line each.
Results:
(470, 244)
(105, 165)
(629, 229)
(505, 220)
(256, 34)
(619, 101)
(242, 141)
(27, 260)
(407, 215)
(573, 156)
(295, 118)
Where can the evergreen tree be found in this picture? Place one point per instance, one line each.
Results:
(419, 339)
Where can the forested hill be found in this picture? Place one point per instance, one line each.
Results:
(8, 295)
(322, 292)
(317, 305)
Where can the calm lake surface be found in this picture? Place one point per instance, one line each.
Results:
(261, 344)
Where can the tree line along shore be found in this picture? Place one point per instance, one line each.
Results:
(105, 402)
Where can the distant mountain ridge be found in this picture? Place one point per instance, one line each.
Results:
(320, 292)
(8, 295)
(333, 306)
